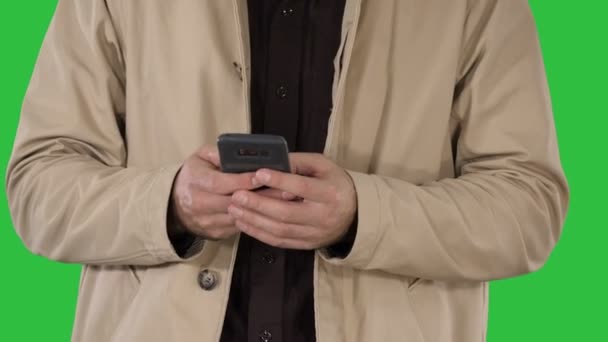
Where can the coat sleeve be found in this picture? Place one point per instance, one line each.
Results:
(71, 196)
(503, 214)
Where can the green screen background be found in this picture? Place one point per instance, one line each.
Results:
(565, 301)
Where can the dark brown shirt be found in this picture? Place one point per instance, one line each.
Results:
(293, 45)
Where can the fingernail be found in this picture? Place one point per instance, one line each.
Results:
(240, 198)
(263, 176)
(235, 211)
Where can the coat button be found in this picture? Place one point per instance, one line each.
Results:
(207, 279)
(265, 336)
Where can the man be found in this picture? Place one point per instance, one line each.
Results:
(431, 168)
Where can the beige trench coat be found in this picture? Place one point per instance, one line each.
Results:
(441, 116)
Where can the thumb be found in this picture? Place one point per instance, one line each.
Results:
(309, 164)
(210, 154)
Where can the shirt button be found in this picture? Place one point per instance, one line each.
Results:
(265, 336)
(287, 12)
(207, 280)
(268, 257)
(282, 92)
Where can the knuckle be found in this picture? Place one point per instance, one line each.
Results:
(184, 200)
(187, 187)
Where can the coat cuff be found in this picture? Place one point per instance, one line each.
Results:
(367, 222)
(159, 244)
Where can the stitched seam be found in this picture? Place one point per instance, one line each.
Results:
(377, 224)
(149, 243)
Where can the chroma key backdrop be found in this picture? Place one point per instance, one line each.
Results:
(567, 300)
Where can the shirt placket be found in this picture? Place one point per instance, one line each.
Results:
(285, 46)
(282, 101)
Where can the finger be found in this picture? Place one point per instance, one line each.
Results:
(276, 194)
(288, 196)
(212, 156)
(210, 203)
(207, 152)
(309, 164)
(276, 228)
(269, 239)
(225, 183)
(306, 187)
(213, 221)
(219, 233)
(282, 211)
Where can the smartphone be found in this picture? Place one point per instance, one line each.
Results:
(250, 152)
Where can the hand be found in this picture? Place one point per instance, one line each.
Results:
(201, 195)
(320, 218)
